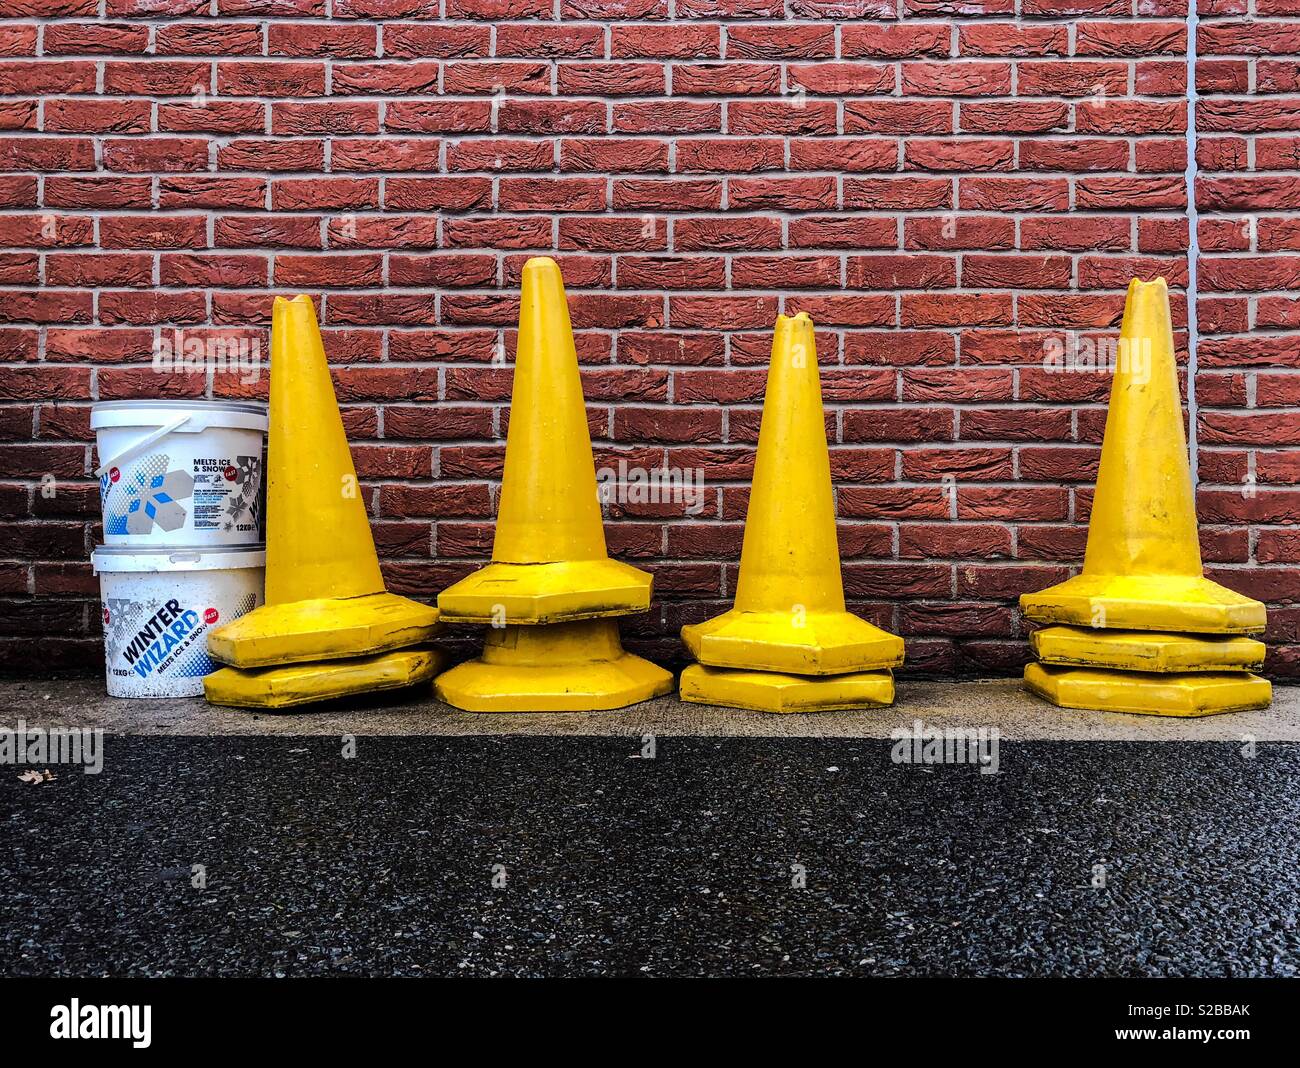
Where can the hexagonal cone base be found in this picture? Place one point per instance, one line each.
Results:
(1188, 694)
(547, 593)
(1138, 650)
(820, 643)
(478, 687)
(565, 667)
(1169, 603)
(336, 628)
(765, 691)
(303, 684)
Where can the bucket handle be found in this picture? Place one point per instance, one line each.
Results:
(134, 449)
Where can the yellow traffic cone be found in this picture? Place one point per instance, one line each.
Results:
(325, 596)
(551, 585)
(789, 614)
(1141, 629)
(1142, 567)
(558, 667)
(549, 562)
(302, 684)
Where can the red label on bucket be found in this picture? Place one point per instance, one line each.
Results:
(231, 474)
(114, 474)
(106, 617)
(211, 615)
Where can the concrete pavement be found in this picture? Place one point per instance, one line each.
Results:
(1000, 703)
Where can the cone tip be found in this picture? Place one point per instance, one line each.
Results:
(797, 321)
(794, 340)
(288, 305)
(1137, 285)
(293, 318)
(543, 264)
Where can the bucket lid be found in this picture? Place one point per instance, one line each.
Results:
(249, 415)
(114, 558)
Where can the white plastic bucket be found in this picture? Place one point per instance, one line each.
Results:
(159, 606)
(177, 473)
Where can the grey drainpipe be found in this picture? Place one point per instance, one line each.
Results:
(1193, 243)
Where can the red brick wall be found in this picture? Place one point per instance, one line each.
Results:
(944, 193)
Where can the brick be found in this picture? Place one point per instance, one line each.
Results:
(856, 155)
(898, 117)
(790, 194)
(551, 194)
(338, 40)
(779, 117)
(959, 155)
(1013, 194)
(437, 194)
(152, 155)
(780, 42)
(551, 116)
(205, 39)
(532, 40)
(607, 79)
(894, 41)
(1011, 39)
(97, 116)
(891, 272)
(384, 154)
(897, 194)
(436, 41)
(956, 79)
(270, 154)
(730, 154)
(43, 77)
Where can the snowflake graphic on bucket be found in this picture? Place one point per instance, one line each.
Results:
(247, 475)
(147, 496)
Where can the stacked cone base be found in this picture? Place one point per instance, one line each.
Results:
(818, 643)
(1131, 650)
(1146, 602)
(766, 691)
(327, 629)
(547, 593)
(564, 667)
(1144, 693)
(301, 684)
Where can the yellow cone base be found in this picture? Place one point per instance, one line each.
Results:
(302, 684)
(566, 667)
(1188, 694)
(765, 691)
(330, 629)
(825, 644)
(1146, 602)
(1131, 650)
(547, 593)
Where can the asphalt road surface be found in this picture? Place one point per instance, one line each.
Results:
(577, 856)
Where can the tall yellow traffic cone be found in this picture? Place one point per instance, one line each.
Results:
(325, 596)
(789, 614)
(1142, 567)
(1141, 629)
(549, 562)
(550, 585)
